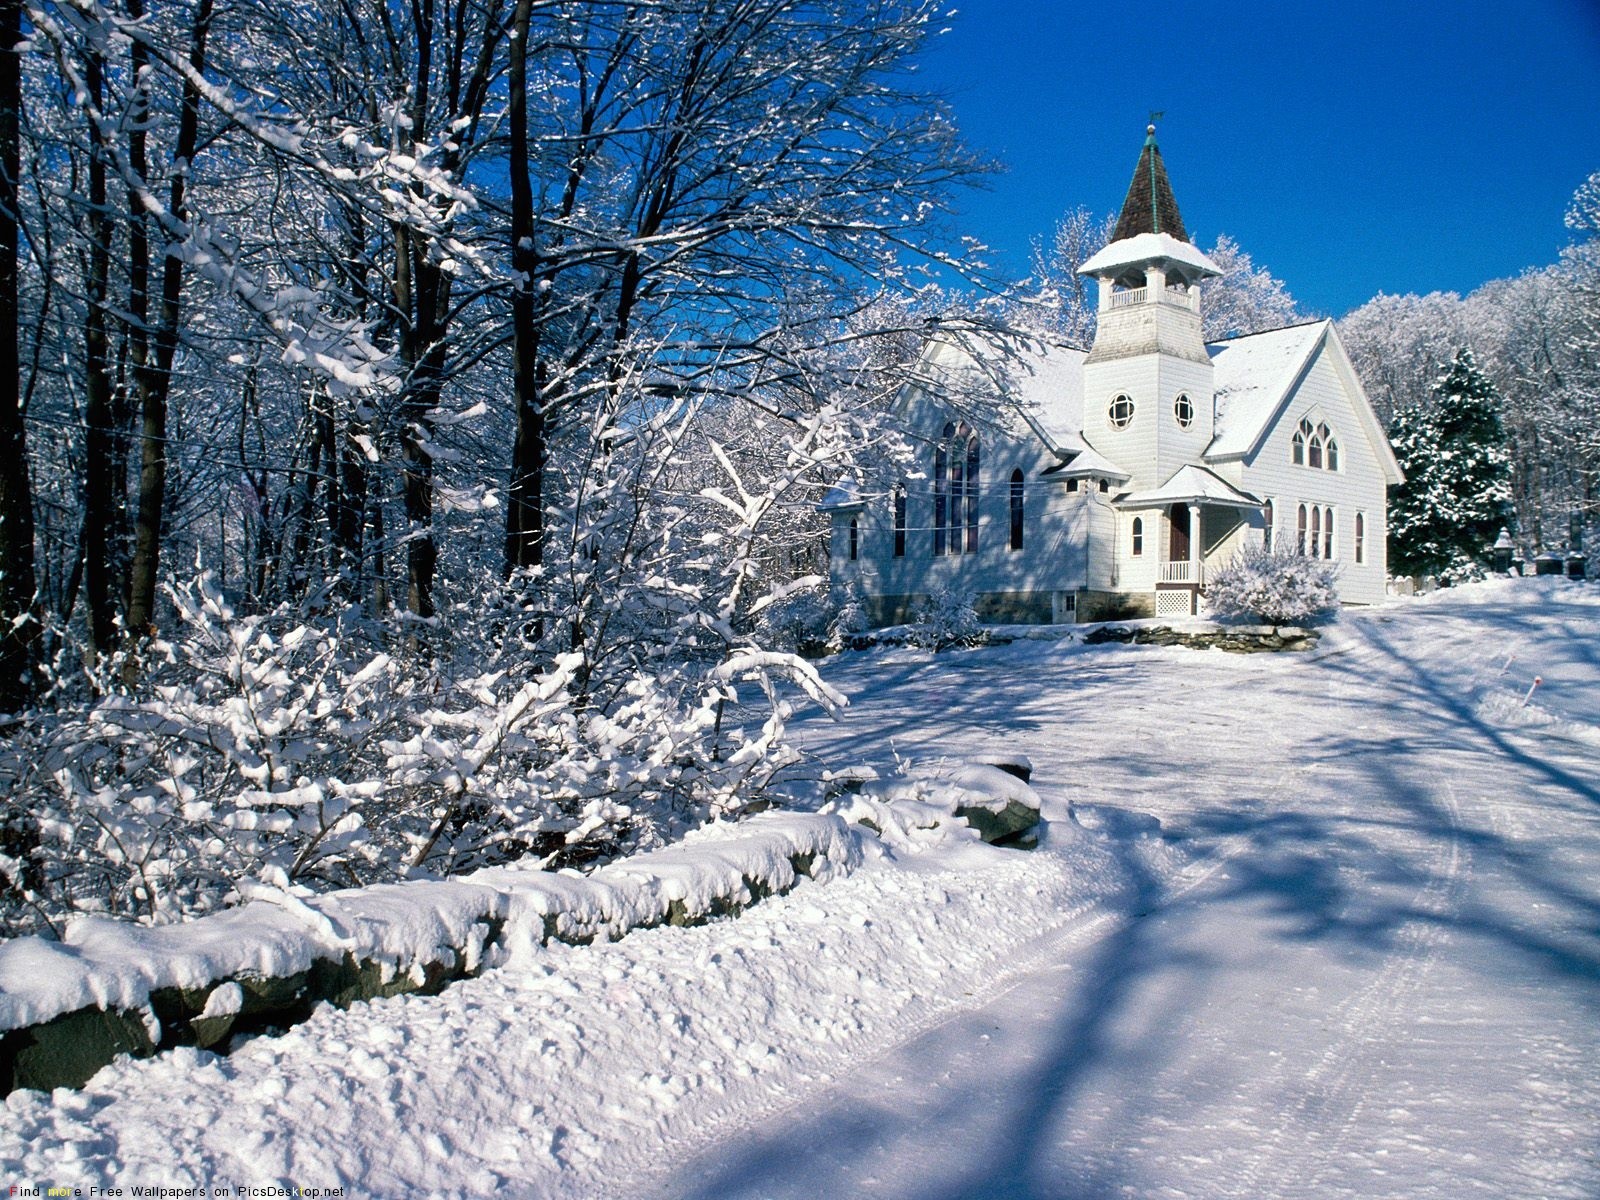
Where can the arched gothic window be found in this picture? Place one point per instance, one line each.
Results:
(972, 492)
(1327, 532)
(1300, 531)
(855, 539)
(900, 521)
(1138, 536)
(1314, 446)
(1266, 525)
(1016, 509)
(1361, 538)
(955, 491)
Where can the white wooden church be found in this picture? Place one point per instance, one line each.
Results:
(1109, 482)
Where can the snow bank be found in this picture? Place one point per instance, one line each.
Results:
(111, 964)
(69, 1007)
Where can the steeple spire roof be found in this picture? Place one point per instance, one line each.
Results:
(1149, 206)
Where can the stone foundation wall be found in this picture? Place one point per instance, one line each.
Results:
(993, 608)
(1115, 606)
(1013, 608)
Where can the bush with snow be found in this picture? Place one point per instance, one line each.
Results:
(800, 622)
(850, 615)
(302, 751)
(1274, 587)
(947, 619)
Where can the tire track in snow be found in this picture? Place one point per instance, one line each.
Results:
(1320, 1129)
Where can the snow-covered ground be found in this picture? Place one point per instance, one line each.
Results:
(1359, 955)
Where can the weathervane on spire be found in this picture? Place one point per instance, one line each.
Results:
(1154, 117)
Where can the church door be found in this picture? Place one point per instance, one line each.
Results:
(1178, 543)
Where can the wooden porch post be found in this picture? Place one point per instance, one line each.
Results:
(1194, 544)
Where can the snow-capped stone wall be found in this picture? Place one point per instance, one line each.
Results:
(68, 1007)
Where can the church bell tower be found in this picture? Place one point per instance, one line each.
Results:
(1148, 384)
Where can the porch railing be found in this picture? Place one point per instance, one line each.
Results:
(1182, 572)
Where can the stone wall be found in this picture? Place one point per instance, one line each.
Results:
(1115, 606)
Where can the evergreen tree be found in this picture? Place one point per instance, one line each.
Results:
(1457, 492)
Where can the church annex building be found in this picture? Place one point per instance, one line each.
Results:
(1110, 482)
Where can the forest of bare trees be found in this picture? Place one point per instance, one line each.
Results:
(410, 408)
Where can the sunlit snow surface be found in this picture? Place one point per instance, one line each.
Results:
(1360, 956)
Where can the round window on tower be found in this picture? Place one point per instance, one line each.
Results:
(1121, 411)
(1183, 410)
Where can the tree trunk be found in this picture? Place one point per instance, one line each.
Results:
(19, 624)
(525, 497)
(153, 375)
(100, 480)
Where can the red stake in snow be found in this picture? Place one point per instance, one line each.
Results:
(1536, 682)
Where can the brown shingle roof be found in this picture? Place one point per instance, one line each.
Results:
(1150, 207)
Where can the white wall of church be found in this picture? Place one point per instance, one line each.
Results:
(1357, 486)
(1056, 524)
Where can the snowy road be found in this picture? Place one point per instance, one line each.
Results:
(1385, 984)
(1360, 956)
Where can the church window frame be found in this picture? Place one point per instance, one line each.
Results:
(957, 464)
(1266, 524)
(855, 538)
(1017, 510)
(1300, 525)
(1138, 537)
(1183, 410)
(898, 503)
(1120, 411)
(1314, 446)
(1361, 539)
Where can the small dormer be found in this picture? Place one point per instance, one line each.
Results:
(1150, 274)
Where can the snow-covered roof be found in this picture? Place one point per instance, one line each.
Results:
(1089, 463)
(842, 496)
(1253, 376)
(1048, 391)
(1042, 380)
(1191, 485)
(1148, 247)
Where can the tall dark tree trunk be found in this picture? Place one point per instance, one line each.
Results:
(19, 624)
(154, 354)
(525, 506)
(101, 481)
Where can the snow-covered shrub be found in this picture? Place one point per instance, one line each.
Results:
(289, 750)
(850, 615)
(800, 622)
(1272, 586)
(947, 619)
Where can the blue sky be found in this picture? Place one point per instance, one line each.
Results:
(1351, 148)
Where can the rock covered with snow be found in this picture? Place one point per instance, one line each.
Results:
(987, 801)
